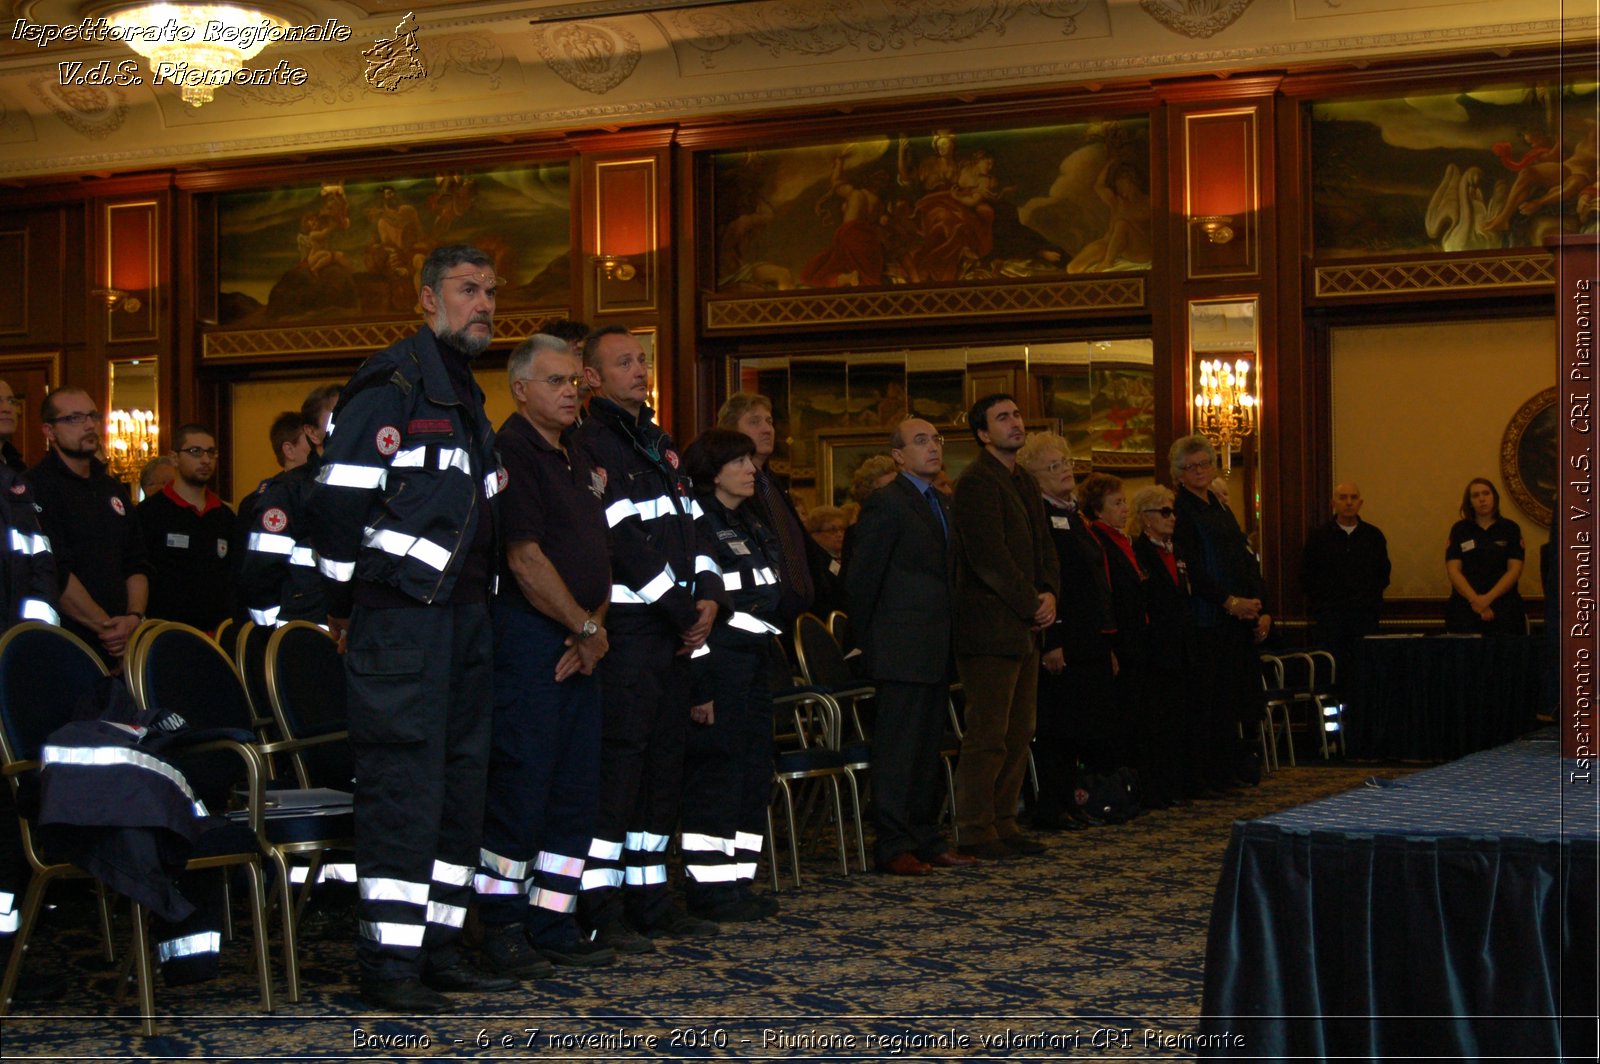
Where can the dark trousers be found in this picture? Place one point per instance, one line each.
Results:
(645, 687)
(1001, 705)
(727, 779)
(1228, 691)
(1077, 723)
(544, 781)
(910, 724)
(419, 682)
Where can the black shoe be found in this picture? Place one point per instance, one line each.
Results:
(1023, 847)
(404, 995)
(622, 939)
(679, 924)
(580, 953)
(767, 902)
(463, 977)
(507, 952)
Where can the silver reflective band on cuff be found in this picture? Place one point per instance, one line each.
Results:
(9, 922)
(448, 915)
(266, 618)
(452, 875)
(303, 556)
(486, 884)
(604, 850)
(504, 867)
(704, 563)
(39, 610)
(732, 581)
(29, 543)
(340, 571)
(189, 946)
(663, 582)
(694, 509)
(393, 934)
(553, 900)
(394, 890)
(596, 878)
(724, 873)
(648, 876)
(401, 545)
(557, 865)
(100, 756)
(747, 622)
(345, 475)
(706, 844)
(270, 543)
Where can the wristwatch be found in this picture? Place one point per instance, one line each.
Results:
(589, 628)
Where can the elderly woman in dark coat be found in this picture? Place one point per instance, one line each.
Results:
(1171, 724)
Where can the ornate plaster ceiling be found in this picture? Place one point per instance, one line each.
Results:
(515, 69)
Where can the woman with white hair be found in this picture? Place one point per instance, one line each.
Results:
(1226, 604)
(1075, 673)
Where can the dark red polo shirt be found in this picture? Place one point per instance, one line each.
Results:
(554, 499)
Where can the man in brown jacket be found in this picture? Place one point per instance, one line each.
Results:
(1006, 576)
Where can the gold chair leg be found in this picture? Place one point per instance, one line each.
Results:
(794, 831)
(291, 964)
(32, 902)
(772, 849)
(258, 927)
(105, 921)
(144, 971)
(838, 819)
(855, 808)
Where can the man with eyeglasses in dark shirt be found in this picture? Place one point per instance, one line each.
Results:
(94, 532)
(187, 532)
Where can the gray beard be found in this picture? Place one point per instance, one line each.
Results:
(471, 346)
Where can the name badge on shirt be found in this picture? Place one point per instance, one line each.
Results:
(1468, 544)
(738, 547)
(178, 540)
(1060, 522)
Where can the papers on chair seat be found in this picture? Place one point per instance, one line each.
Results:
(308, 801)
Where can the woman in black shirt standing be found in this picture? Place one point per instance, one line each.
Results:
(1484, 562)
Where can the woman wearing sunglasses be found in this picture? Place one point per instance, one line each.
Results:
(1170, 723)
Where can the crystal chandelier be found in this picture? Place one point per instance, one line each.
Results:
(200, 46)
(131, 440)
(1225, 406)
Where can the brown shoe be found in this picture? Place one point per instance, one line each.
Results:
(993, 850)
(951, 859)
(906, 864)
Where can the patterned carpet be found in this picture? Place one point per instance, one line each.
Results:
(1094, 950)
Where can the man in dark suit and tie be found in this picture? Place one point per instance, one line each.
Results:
(898, 588)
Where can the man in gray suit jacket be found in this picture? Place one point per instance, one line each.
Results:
(1006, 575)
(897, 584)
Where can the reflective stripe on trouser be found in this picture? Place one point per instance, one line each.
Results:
(646, 714)
(544, 780)
(418, 684)
(727, 779)
(188, 949)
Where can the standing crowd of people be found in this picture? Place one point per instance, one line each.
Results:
(561, 634)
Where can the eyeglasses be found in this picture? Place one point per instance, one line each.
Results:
(1165, 511)
(1203, 463)
(923, 439)
(556, 380)
(1057, 466)
(75, 420)
(199, 452)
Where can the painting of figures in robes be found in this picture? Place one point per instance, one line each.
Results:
(928, 207)
(1490, 169)
(352, 250)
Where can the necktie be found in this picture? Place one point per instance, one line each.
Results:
(932, 496)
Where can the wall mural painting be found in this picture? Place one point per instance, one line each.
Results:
(1471, 171)
(351, 250)
(925, 206)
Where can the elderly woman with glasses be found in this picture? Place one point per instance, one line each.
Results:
(1170, 726)
(1075, 678)
(1102, 500)
(1226, 604)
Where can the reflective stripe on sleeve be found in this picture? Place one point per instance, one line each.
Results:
(747, 622)
(270, 543)
(29, 543)
(704, 563)
(349, 475)
(39, 610)
(340, 571)
(266, 618)
(732, 581)
(303, 556)
(101, 756)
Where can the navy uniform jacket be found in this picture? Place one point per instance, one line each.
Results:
(27, 567)
(277, 577)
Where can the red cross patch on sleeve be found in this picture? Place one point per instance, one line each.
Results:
(274, 520)
(388, 440)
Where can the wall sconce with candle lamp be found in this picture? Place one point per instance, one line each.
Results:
(1225, 406)
(1221, 193)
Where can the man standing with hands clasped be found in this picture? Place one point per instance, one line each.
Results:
(544, 759)
(1006, 575)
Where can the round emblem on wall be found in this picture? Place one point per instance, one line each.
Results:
(274, 520)
(388, 440)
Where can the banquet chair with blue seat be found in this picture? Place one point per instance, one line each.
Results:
(45, 672)
(806, 728)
